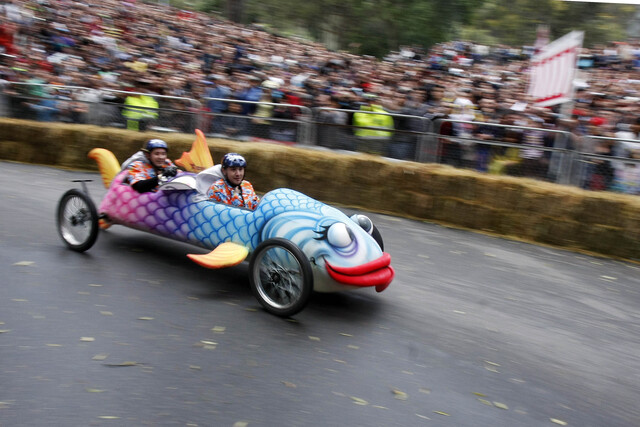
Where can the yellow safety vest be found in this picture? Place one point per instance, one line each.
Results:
(372, 120)
(137, 108)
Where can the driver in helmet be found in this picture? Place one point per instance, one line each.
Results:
(147, 173)
(233, 189)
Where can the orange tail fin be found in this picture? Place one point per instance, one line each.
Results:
(107, 164)
(199, 158)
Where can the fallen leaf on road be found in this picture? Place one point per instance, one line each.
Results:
(240, 424)
(359, 401)
(290, 385)
(314, 338)
(400, 395)
(24, 263)
(218, 329)
(207, 345)
(145, 318)
(441, 413)
(108, 417)
(2, 331)
(106, 313)
(121, 365)
(560, 422)
(100, 357)
(87, 339)
(500, 405)
(94, 390)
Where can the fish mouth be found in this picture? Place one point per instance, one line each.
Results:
(378, 273)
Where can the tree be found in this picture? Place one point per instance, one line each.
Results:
(375, 27)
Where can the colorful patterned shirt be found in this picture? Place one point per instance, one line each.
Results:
(220, 191)
(141, 170)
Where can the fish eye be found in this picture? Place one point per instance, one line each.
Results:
(365, 223)
(339, 235)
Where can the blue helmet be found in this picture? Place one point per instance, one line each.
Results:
(233, 160)
(155, 143)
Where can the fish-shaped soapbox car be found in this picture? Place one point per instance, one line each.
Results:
(294, 244)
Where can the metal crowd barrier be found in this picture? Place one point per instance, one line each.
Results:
(334, 128)
(618, 170)
(254, 120)
(549, 159)
(102, 107)
(454, 142)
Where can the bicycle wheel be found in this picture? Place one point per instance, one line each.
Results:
(281, 277)
(77, 220)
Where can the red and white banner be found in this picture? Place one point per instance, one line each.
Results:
(553, 70)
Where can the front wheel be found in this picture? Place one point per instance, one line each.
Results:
(281, 277)
(77, 220)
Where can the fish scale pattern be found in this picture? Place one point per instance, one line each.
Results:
(188, 216)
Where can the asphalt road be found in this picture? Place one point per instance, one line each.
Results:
(474, 331)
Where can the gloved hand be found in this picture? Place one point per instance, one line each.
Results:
(170, 171)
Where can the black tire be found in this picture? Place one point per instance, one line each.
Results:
(377, 237)
(77, 220)
(282, 289)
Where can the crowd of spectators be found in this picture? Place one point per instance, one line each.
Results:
(112, 47)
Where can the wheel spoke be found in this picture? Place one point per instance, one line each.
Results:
(280, 276)
(74, 222)
(77, 220)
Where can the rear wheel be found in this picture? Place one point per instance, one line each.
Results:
(77, 220)
(281, 277)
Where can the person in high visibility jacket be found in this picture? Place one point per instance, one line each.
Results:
(383, 121)
(139, 110)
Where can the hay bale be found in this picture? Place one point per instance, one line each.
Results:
(523, 208)
(17, 151)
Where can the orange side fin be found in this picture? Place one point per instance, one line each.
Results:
(224, 255)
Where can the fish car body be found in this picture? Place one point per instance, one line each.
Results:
(342, 254)
(295, 244)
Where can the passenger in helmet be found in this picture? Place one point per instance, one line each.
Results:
(233, 189)
(147, 173)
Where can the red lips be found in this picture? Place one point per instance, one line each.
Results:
(378, 273)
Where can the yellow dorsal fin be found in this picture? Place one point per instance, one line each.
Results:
(199, 158)
(107, 164)
(224, 255)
